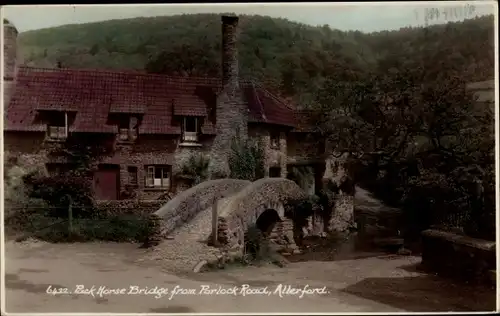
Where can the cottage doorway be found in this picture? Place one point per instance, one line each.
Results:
(106, 180)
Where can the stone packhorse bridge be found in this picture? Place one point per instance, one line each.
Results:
(187, 220)
(229, 207)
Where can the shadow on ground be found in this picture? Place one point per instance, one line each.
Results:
(412, 294)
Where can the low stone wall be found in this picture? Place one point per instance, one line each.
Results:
(132, 207)
(458, 256)
(187, 204)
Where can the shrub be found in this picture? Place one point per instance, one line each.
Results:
(57, 191)
(246, 160)
(119, 228)
(118, 221)
(196, 168)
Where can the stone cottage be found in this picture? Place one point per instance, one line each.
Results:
(153, 123)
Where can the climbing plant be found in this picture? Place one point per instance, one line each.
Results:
(246, 160)
(196, 168)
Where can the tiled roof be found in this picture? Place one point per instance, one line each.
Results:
(93, 94)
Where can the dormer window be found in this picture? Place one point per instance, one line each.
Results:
(57, 128)
(275, 140)
(190, 129)
(127, 129)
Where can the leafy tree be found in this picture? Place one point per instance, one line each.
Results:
(414, 135)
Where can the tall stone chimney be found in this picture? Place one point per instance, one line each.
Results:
(230, 69)
(10, 53)
(231, 110)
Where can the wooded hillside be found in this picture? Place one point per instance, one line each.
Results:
(291, 57)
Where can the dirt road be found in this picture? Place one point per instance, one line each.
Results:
(371, 283)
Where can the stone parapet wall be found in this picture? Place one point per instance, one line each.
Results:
(458, 256)
(187, 204)
(342, 217)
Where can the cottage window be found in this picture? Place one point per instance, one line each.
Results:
(132, 175)
(126, 132)
(58, 126)
(190, 129)
(275, 140)
(158, 176)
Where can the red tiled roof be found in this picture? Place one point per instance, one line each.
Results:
(189, 105)
(93, 94)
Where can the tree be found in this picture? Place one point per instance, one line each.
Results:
(411, 132)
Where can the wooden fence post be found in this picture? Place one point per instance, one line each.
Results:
(215, 221)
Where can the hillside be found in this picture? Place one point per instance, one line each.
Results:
(292, 57)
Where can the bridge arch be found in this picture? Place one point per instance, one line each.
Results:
(248, 205)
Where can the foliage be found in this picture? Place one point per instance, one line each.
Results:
(57, 191)
(108, 221)
(246, 160)
(73, 185)
(121, 228)
(302, 175)
(81, 152)
(16, 192)
(290, 57)
(413, 134)
(196, 167)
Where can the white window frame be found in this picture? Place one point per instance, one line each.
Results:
(190, 136)
(58, 132)
(151, 179)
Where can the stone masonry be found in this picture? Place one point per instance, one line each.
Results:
(10, 52)
(273, 157)
(34, 153)
(231, 110)
(342, 213)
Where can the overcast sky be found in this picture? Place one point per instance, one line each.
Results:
(366, 17)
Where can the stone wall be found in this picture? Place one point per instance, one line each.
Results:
(343, 210)
(458, 256)
(132, 207)
(273, 157)
(11, 62)
(246, 206)
(231, 110)
(33, 152)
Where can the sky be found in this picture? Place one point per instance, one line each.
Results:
(365, 17)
